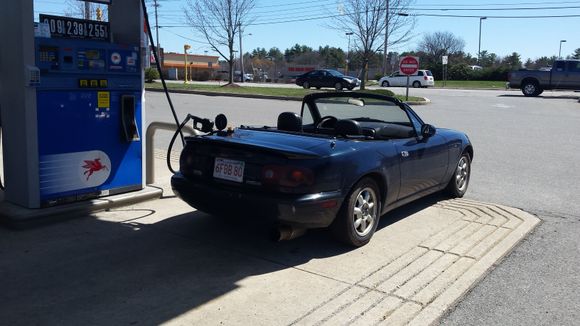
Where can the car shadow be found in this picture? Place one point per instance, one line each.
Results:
(125, 267)
(548, 97)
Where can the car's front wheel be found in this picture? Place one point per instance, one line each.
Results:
(338, 86)
(385, 84)
(306, 85)
(359, 215)
(460, 180)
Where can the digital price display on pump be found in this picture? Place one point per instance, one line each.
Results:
(66, 27)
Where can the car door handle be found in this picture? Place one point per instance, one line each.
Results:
(405, 154)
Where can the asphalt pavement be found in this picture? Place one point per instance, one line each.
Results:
(525, 154)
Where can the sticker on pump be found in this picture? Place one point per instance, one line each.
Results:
(115, 58)
(103, 99)
(72, 171)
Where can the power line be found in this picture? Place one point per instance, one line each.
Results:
(497, 17)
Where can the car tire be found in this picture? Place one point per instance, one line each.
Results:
(460, 180)
(359, 215)
(350, 88)
(318, 87)
(306, 85)
(417, 84)
(531, 88)
(338, 86)
(385, 84)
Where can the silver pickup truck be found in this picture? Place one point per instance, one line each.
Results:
(565, 74)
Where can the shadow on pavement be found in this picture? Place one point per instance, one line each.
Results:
(549, 97)
(99, 271)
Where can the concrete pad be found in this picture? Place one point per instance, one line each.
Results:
(163, 262)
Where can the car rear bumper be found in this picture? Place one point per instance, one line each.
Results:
(306, 211)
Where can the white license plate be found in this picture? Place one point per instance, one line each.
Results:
(231, 170)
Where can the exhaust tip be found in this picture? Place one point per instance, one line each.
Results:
(285, 232)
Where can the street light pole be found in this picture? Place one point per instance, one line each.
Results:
(560, 51)
(241, 53)
(479, 47)
(386, 40)
(185, 48)
(348, 51)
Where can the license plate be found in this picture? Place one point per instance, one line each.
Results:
(231, 170)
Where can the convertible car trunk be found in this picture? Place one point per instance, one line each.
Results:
(237, 159)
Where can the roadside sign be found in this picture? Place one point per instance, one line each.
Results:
(445, 59)
(409, 65)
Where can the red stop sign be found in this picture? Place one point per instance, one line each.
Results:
(409, 65)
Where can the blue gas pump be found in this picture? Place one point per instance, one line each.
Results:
(89, 112)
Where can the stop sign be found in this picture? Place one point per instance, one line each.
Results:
(409, 65)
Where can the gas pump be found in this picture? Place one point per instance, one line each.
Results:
(89, 118)
(73, 111)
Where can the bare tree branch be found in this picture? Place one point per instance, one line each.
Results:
(367, 19)
(218, 22)
(441, 43)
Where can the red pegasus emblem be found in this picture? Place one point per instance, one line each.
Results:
(93, 166)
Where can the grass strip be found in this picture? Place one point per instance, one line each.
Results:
(297, 92)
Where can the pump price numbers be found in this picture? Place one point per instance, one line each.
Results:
(66, 27)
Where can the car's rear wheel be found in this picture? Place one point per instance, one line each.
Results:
(531, 88)
(306, 85)
(338, 86)
(416, 84)
(359, 215)
(385, 84)
(318, 87)
(460, 180)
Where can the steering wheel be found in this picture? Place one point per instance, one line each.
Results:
(326, 122)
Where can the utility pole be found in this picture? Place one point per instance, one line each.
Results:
(386, 39)
(241, 54)
(156, 5)
(87, 10)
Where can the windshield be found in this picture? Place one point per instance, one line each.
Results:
(428, 73)
(362, 109)
(335, 73)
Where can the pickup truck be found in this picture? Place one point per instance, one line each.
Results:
(565, 74)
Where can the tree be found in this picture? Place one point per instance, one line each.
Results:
(439, 44)
(276, 54)
(219, 22)
(75, 8)
(367, 20)
(576, 54)
(513, 61)
(332, 57)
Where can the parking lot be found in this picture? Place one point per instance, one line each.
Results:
(159, 262)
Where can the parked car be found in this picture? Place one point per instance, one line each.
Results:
(423, 78)
(346, 160)
(247, 77)
(327, 78)
(565, 74)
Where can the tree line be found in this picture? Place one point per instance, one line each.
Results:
(431, 49)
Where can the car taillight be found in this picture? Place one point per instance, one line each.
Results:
(426, 78)
(287, 176)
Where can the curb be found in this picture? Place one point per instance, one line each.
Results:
(256, 96)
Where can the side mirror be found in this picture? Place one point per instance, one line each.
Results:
(427, 130)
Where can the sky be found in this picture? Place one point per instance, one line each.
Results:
(282, 24)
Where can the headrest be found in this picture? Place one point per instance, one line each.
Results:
(289, 121)
(348, 128)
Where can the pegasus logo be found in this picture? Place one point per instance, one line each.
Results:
(93, 166)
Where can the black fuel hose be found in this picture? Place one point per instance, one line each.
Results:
(158, 65)
(1, 184)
